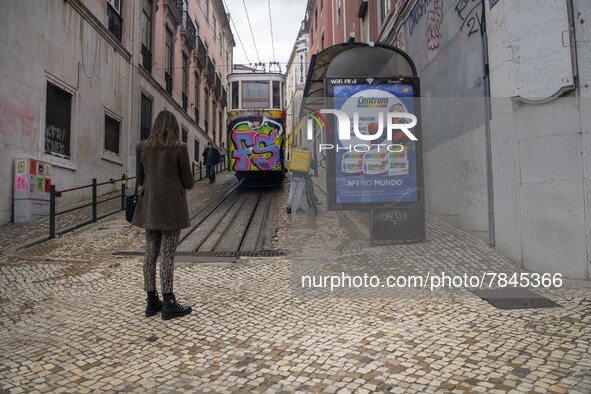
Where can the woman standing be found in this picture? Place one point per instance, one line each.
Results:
(165, 174)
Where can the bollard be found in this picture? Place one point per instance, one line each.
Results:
(123, 191)
(52, 212)
(200, 171)
(94, 200)
(193, 169)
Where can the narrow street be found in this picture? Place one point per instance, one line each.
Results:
(344, 196)
(72, 319)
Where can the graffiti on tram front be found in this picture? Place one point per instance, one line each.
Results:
(256, 141)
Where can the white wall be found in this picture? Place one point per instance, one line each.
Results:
(447, 50)
(539, 150)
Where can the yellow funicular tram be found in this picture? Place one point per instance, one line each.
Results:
(256, 124)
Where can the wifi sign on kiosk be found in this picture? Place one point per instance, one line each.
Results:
(373, 142)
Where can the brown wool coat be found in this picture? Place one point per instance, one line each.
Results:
(165, 174)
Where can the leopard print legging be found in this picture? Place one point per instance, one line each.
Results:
(169, 241)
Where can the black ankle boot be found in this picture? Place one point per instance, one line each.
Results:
(172, 309)
(154, 304)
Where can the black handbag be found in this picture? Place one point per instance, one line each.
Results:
(131, 201)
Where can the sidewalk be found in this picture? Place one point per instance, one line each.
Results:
(72, 320)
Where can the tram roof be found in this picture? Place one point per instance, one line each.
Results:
(256, 76)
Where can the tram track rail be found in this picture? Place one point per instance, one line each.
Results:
(237, 222)
(208, 208)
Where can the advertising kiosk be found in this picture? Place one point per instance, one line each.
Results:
(368, 96)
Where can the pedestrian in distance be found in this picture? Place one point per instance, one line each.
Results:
(223, 153)
(300, 167)
(296, 190)
(211, 158)
(165, 175)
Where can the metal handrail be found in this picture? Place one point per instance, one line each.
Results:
(220, 167)
(94, 204)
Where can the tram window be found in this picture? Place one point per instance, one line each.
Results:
(276, 94)
(235, 95)
(255, 94)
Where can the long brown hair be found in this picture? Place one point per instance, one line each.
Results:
(165, 132)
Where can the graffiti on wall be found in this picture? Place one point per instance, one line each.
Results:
(433, 30)
(394, 216)
(55, 140)
(417, 13)
(470, 11)
(255, 140)
(471, 182)
(399, 41)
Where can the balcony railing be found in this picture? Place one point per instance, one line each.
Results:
(200, 51)
(115, 22)
(146, 59)
(210, 71)
(224, 97)
(188, 30)
(175, 8)
(168, 80)
(218, 85)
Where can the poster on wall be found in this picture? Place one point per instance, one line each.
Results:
(255, 140)
(32, 179)
(374, 166)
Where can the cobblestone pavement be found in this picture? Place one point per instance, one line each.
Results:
(71, 316)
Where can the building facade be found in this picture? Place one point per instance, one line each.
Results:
(83, 81)
(331, 22)
(326, 23)
(295, 81)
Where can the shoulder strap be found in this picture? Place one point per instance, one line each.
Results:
(138, 163)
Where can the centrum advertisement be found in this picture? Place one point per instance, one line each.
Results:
(376, 163)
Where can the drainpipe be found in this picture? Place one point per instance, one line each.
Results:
(487, 117)
(134, 75)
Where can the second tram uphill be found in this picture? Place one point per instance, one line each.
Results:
(256, 127)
